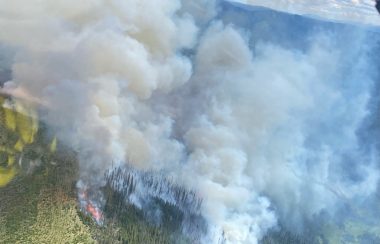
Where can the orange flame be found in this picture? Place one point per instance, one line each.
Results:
(94, 211)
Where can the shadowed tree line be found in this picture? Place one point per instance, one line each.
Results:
(150, 196)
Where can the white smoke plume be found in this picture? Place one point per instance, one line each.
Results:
(263, 135)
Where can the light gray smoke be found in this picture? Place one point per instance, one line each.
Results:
(262, 136)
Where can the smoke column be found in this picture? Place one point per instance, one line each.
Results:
(266, 133)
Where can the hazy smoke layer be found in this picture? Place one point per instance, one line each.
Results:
(263, 132)
(359, 11)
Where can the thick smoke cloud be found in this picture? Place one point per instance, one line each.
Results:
(264, 133)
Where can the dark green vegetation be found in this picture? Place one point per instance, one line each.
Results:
(165, 210)
(40, 206)
(285, 237)
(350, 232)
